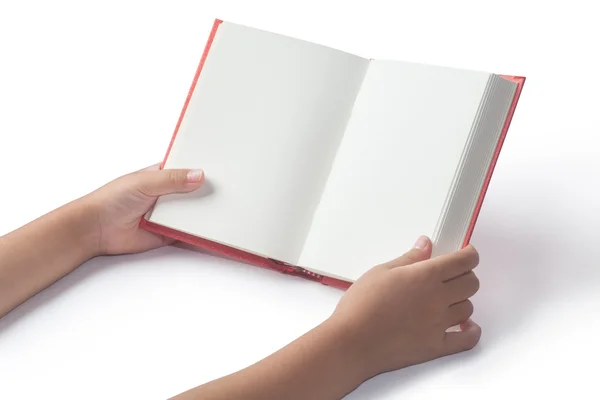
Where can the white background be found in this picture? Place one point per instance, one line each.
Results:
(92, 90)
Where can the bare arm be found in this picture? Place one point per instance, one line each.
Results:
(43, 251)
(320, 365)
(103, 222)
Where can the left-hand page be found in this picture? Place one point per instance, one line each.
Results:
(264, 121)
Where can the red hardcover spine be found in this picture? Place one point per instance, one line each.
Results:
(242, 256)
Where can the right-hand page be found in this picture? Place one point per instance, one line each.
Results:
(395, 166)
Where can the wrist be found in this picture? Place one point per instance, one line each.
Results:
(82, 218)
(357, 346)
(347, 350)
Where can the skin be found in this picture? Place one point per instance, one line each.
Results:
(396, 315)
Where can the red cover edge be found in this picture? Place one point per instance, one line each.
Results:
(279, 266)
(211, 37)
(242, 256)
(520, 80)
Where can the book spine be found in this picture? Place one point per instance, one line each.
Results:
(306, 274)
(242, 256)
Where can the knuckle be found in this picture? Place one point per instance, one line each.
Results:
(145, 191)
(410, 258)
(175, 177)
(468, 309)
(470, 256)
(462, 311)
(470, 285)
(475, 283)
(473, 256)
(142, 184)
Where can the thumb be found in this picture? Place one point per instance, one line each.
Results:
(421, 251)
(167, 181)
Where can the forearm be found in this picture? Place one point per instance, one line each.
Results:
(41, 252)
(319, 365)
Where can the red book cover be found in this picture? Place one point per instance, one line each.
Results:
(253, 259)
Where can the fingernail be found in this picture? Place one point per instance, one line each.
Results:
(421, 243)
(195, 175)
(465, 325)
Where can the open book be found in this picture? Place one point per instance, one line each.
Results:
(323, 164)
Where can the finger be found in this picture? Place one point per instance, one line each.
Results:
(420, 252)
(153, 167)
(461, 288)
(458, 263)
(464, 340)
(166, 181)
(459, 313)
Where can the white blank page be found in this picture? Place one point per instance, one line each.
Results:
(395, 165)
(265, 121)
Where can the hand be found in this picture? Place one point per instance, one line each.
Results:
(119, 206)
(398, 313)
